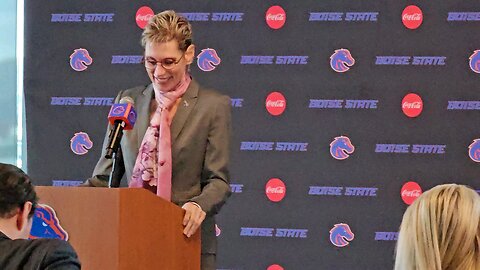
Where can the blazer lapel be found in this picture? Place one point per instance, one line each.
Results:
(186, 105)
(142, 105)
(3, 236)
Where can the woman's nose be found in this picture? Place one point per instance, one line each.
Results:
(159, 70)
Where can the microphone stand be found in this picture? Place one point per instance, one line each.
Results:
(117, 169)
(115, 136)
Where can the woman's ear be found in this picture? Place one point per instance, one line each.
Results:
(190, 54)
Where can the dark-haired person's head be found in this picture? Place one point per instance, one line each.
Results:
(17, 202)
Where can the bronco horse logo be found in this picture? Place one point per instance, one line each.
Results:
(474, 150)
(80, 59)
(339, 235)
(341, 148)
(475, 61)
(46, 225)
(208, 59)
(341, 60)
(80, 143)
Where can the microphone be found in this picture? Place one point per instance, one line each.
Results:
(122, 117)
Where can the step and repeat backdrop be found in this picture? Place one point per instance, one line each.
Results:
(343, 112)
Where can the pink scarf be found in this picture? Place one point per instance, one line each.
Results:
(153, 166)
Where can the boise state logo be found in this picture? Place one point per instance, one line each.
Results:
(118, 110)
(208, 59)
(46, 225)
(80, 143)
(340, 234)
(341, 148)
(341, 60)
(474, 150)
(475, 61)
(80, 59)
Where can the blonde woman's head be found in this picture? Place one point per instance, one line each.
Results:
(166, 26)
(169, 52)
(441, 230)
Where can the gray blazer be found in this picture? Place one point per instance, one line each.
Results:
(200, 133)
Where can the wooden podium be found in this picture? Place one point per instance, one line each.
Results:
(123, 228)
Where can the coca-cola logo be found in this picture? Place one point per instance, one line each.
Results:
(410, 192)
(412, 105)
(412, 17)
(275, 103)
(143, 15)
(275, 190)
(275, 267)
(275, 17)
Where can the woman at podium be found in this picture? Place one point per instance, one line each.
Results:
(179, 146)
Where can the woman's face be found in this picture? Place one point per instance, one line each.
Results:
(167, 54)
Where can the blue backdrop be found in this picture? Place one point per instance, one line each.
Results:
(343, 112)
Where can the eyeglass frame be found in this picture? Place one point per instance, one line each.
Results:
(154, 66)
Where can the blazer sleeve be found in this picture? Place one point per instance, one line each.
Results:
(61, 256)
(215, 174)
(102, 170)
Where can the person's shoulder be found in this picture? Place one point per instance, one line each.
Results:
(53, 254)
(54, 243)
(134, 91)
(213, 94)
(59, 253)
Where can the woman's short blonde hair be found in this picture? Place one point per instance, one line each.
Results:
(166, 26)
(441, 230)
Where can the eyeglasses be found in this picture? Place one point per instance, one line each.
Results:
(167, 63)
